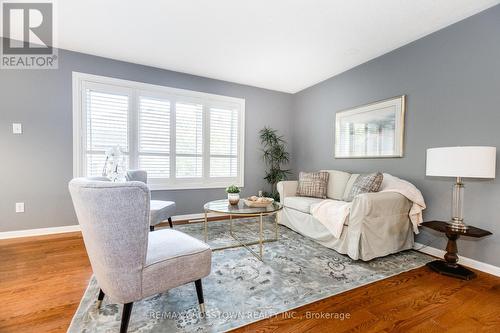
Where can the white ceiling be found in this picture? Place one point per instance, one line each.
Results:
(284, 45)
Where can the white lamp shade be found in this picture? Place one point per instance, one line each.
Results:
(467, 162)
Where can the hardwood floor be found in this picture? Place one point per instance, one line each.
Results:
(416, 301)
(42, 280)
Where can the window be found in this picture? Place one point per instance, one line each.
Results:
(189, 140)
(183, 139)
(223, 142)
(106, 126)
(154, 137)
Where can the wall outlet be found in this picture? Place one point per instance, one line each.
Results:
(17, 128)
(19, 207)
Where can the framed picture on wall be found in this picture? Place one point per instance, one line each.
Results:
(374, 130)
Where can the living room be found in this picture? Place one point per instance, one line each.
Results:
(279, 166)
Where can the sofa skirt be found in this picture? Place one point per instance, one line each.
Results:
(358, 241)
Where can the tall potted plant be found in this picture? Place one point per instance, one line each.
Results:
(275, 156)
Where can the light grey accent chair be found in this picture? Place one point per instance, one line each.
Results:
(160, 210)
(129, 262)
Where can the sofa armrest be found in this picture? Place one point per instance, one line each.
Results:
(287, 188)
(379, 224)
(380, 204)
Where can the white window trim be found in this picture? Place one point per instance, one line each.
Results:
(79, 80)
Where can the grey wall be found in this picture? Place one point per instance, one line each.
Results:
(37, 165)
(452, 80)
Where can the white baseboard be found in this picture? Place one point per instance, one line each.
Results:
(38, 232)
(480, 266)
(73, 228)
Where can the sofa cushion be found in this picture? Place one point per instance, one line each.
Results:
(302, 204)
(336, 184)
(348, 186)
(313, 184)
(366, 184)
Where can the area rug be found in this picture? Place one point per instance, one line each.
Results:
(241, 289)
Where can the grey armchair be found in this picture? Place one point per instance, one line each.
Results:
(128, 261)
(160, 210)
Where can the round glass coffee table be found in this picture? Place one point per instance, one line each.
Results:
(239, 211)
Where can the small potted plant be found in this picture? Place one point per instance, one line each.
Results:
(233, 194)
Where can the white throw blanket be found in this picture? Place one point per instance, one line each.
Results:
(333, 213)
(407, 189)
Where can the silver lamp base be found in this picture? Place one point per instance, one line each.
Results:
(458, 225)
(457, 204)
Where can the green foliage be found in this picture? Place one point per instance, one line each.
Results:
(275, 156)
(232, 189)
(275, 195)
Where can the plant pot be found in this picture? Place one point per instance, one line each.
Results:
(233, 198)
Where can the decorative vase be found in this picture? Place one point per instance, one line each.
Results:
(114, 165)
(233, 198)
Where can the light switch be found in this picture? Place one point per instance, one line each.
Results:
(17, 128)
(19, 207)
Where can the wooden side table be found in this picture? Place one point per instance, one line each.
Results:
(449, 266)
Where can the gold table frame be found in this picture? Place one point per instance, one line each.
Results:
(258, 215)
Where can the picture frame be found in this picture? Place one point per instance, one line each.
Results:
(374, 130)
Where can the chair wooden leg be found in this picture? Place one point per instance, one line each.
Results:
(127, 309)
(101, 295)
(199, 292)
(151, 228)
(100, 298)
(170, 222)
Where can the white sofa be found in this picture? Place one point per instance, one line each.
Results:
(378, 223)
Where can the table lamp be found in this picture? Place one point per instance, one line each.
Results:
(460, 162)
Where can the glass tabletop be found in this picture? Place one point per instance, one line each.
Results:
(223, 206)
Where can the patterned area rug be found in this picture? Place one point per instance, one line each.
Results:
(241, 289)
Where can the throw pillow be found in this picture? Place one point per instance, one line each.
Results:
(365, 184)
(313, 184)
(348, 186)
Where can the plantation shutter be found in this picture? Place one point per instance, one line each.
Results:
(223, 142)
(182, 139)
(189, 140)
(107, 126)
(154, 137)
